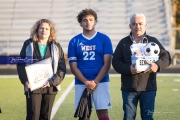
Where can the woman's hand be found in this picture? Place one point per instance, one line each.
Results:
(46, 85)
(28, 85)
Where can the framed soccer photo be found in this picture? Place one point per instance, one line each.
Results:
(39, 73)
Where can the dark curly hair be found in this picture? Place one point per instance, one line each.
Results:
(86, 12)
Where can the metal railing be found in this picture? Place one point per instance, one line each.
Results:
(176, 52)
(168, 11)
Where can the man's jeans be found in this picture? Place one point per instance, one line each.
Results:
(130, 102)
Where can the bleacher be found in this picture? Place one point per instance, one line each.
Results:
(18, 16)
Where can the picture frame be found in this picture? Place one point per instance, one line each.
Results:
(39, 73)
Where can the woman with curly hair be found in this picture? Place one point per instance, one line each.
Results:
(41, 45)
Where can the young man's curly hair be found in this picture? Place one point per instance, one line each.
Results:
(84, 13)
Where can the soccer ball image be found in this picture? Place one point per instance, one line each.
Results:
(151, 49)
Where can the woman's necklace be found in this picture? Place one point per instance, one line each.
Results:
(42, 45)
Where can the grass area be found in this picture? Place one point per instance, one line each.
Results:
(12, 100)
(167, 102)
(65, 83)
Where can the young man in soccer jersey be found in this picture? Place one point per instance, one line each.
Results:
(90, 55)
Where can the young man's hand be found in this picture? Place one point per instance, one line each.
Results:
(91, 85)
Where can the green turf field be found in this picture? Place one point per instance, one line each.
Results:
(12, 100)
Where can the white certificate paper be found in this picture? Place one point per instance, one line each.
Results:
(39, 73)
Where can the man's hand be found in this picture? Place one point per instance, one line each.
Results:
(134, 70)
(90, 84)
(153, 67)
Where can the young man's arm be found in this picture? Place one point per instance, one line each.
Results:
(77, 73)
(105, 68)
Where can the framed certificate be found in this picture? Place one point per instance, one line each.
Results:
(39, 73)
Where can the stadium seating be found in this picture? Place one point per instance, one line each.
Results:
(18, 16)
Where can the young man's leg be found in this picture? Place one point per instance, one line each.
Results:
(101, 99)
(102, 114)
(79, 89)
(147, 102)
(130, 101)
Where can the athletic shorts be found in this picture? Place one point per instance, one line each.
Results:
(100, 97)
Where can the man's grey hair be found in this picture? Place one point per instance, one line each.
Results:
(137, 15)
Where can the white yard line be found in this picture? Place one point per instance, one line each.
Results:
(111, 75)
(61, 99)
(158, 74)
(16, 76)
(176, 80)
(175, 89)
(8, 76)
